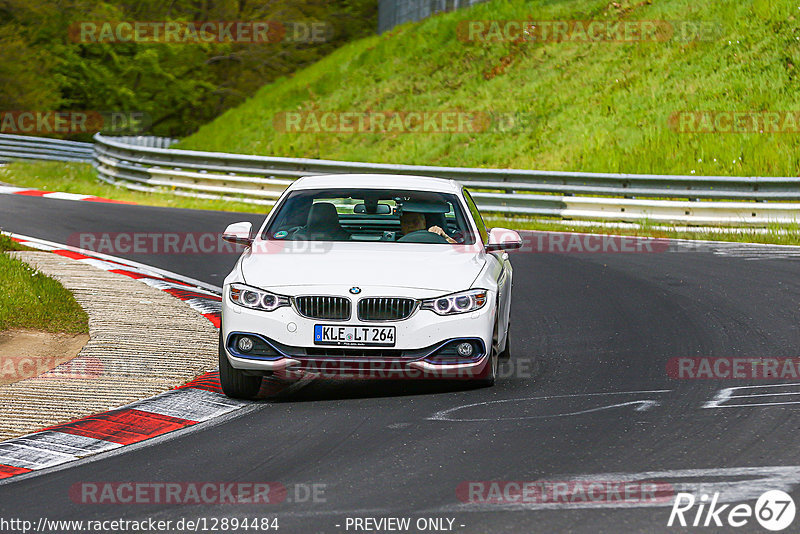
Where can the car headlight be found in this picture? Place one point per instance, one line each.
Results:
(463, 302)
(256, 299)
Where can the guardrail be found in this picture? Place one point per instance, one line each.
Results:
(569, 195)
(149, 164)
(394, 12)
(27, 147)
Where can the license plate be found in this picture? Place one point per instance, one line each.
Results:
(382, 336)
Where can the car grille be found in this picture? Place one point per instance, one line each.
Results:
(385, 308)
(318, 307)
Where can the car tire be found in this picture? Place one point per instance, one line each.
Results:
(235, 383)
(505, 354)
(489, 373)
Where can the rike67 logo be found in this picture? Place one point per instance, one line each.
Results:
(774, 510)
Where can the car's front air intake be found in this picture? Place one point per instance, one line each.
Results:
(385, 308)
(319, 307)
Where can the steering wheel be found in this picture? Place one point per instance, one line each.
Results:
(422, 236)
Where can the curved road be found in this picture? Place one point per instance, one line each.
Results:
(587, 396)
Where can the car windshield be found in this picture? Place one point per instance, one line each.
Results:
(370, 215)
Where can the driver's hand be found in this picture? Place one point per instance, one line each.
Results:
(439, 231)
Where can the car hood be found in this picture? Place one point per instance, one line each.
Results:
(271, 264)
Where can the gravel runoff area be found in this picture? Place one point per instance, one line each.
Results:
(142, 342)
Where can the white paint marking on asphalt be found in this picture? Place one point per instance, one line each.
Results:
(20, 447)
(17, 454)
(750, 404)
(112, 266)
(38, 246)
(163, 438)
(16, 462)
(205, 305)
(726, 394)
(166, 284)
(100, 264)
(8, 190)
(765, 395)
(721, 396)
(66, 196)
(727, 481)
(191, 404)
(160, 284)
(642, 405)
(66, 443)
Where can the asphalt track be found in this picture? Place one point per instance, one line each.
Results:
(588, 397)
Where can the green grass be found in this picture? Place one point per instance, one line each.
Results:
(7, 244)
(31, 300)
(81, 178)
(597, 107)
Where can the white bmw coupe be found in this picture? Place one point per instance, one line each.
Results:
(367, 276)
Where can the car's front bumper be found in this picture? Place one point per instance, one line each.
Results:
(420, 341)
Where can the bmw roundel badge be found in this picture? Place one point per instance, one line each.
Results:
(355, 290)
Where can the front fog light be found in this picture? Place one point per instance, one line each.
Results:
(465, 349)
(246, 344)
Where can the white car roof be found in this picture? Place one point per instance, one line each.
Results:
(377, 181)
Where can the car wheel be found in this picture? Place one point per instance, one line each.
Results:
(489, 373)
(505, 354)
(236, 383)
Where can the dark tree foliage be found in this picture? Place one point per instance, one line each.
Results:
(179, 86)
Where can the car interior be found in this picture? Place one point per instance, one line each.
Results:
(369, 215)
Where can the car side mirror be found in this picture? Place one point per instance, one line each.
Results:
(238, 234)
(503, 239)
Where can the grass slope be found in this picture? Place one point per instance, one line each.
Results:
(34, 301)
(601, 107)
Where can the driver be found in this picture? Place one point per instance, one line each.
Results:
(413, 222)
